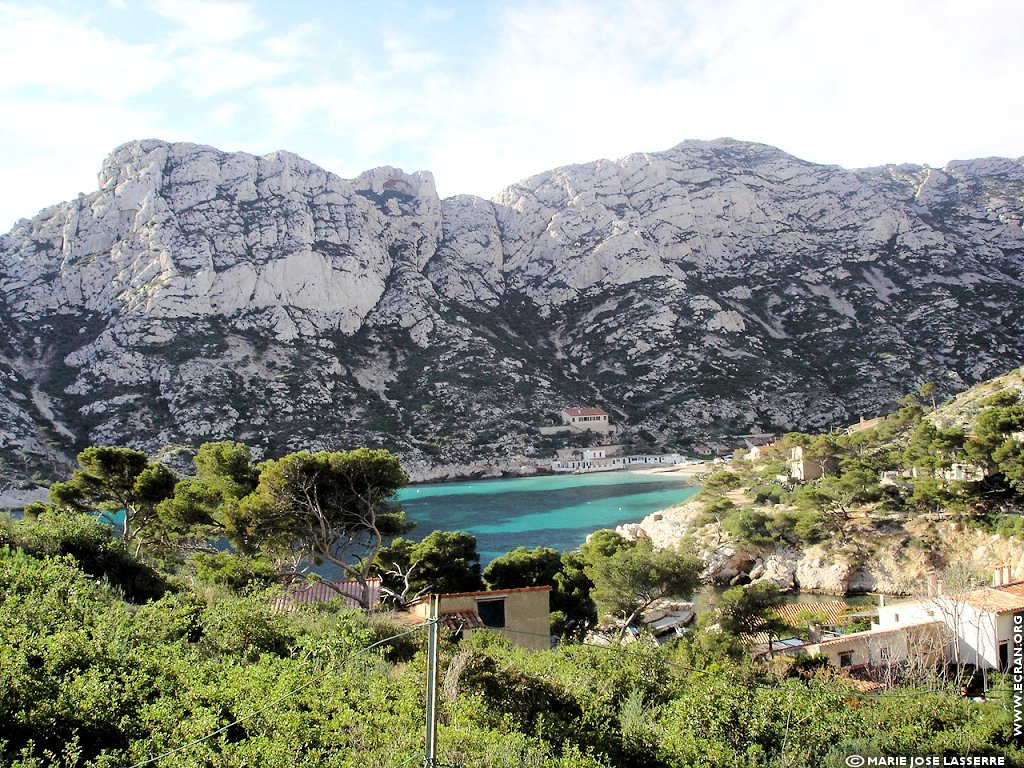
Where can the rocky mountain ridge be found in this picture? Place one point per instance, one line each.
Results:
(715, 288)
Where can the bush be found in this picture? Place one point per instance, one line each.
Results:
(236, 572)
(812, 527)
(749, 526)
(245, 627)
(92, 546)
(771, 493)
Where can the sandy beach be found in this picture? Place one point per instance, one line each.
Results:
(688, 470)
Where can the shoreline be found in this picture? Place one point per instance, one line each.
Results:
(687, 470)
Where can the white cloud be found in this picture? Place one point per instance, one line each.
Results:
(207, 22)
(488, 96)
(212, 71)
(295, 43)
(53, 164)
(43, 50)
(845, 83)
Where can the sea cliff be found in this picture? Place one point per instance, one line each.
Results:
(877, 554)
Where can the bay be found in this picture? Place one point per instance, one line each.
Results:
(556, 511)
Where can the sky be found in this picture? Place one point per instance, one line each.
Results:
(484, 93)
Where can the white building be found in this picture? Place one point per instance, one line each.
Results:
(801, 469)
(979, 622)
(590, 461)
(975, 626)
(586, 419)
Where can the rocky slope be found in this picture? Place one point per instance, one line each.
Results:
(879, 555)
(718, 287)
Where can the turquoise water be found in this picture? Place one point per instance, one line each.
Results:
(553, 511)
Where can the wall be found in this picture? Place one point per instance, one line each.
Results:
(527, 612)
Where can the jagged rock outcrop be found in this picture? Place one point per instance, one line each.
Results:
(718, 287)
(865, 560)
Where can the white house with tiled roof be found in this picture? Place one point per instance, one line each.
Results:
(921, 641)
(587, 419)
(975, 626)
(979, 622)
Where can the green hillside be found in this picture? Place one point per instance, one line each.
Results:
(99, 671)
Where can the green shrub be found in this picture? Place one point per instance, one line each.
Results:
(92, 545)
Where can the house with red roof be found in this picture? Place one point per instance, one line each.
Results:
(967, 627)
(979, 622)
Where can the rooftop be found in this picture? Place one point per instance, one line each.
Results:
(456, 620)
(584, 412)
(868, 634)
(1008, 598)
(832, 611)
(322, 591)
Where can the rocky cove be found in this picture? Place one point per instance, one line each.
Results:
(877, 553)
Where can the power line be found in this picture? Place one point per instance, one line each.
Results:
(279, 699)
(407, 761)
(506, 630)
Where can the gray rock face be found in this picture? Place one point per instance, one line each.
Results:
(718, 287)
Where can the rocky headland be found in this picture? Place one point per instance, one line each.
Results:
(878, 553)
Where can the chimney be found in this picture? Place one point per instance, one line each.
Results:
(1000, 575)
(814, 633)
(881, 600)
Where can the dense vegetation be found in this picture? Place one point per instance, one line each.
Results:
(907, 465)
(106, 663)
(161, 642)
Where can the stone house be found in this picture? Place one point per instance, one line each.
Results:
(864, 424)
(801, 469)
(965, 473)
(759, 440)
(956, 472)
(587, 420)
(522, 614)
(921, 643)
(757, 452)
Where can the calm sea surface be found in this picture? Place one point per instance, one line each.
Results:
(552, 511)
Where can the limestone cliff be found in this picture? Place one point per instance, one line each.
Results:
(717, 287)
(877, 554)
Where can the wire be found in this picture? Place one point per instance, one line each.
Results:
(785, 739)
(407, 761)
(281, 698)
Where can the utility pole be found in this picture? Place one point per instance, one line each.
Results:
(433, 632)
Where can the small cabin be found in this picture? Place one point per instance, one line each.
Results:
(522, 614)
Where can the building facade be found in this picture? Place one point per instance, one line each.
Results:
(522, 614)
(587, 420)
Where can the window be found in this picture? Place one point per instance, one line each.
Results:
(883, 655)
(846, 659)
(492, 612)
